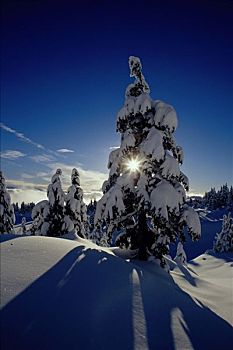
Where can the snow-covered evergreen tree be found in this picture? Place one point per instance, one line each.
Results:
(224, 239)
(230, 198)
(7, 216)
(39, 214)
(23, 225)
(49, 215)
(91, 208)
(223, 196)
(210, 199)
(96, 234)
(181, 257)
(75, 207)
(145, 181)
(219, 199)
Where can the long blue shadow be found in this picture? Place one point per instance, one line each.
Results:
(9, 236)
(204, 329)
(67, 308)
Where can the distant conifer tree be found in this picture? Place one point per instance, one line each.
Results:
(7, 216)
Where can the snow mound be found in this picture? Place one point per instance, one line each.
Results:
(60, 293)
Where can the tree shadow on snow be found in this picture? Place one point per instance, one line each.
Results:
(9, 236)
(227, 257)
(187, 274)
(91, 300)
(174, 308)
(70, 306)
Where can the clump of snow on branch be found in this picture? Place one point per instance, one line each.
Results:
(191, 218)
(152, 146)
(165, 116)
(181, 257)
(164, 198)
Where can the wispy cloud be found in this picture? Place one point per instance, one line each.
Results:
(41, 174)
(91, 180)
(65, 150)
(91, 183)
(26, 195)
(27, 176)
(42, 158)
(22, 185)
(21, 136)
(193, 192)
(11, 154)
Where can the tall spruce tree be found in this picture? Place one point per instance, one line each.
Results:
(75, 207)
(7, 216)
(145, 184)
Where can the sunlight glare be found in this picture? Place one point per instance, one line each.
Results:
(133, 165)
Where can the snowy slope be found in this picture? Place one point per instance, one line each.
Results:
(64, 294)
(211, 223)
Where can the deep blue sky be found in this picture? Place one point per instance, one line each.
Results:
(65, 70)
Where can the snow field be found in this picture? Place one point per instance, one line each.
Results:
(59, 293)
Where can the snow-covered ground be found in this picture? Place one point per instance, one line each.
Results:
(18, 228)
(71, 294)
(211, 223)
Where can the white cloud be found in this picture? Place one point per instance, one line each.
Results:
(21, 184)
(114, 147)
(41, 174)
(10, 154)
(22, 191)
(41, 158)
(65, 150)
(27, 195)
(91, 183)
(91, 180)
(27, 176)
(23, 138)
(198, 194)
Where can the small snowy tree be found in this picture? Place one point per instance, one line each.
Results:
(223, 196)
(48, 215)
(39, 214)
(181, 257)
(224, 239)
(23, 225)
(230, 197)
(145, 182)
(7, 216)
(91, 208)
(75, 207)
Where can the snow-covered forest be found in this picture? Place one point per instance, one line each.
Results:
(144, 267)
